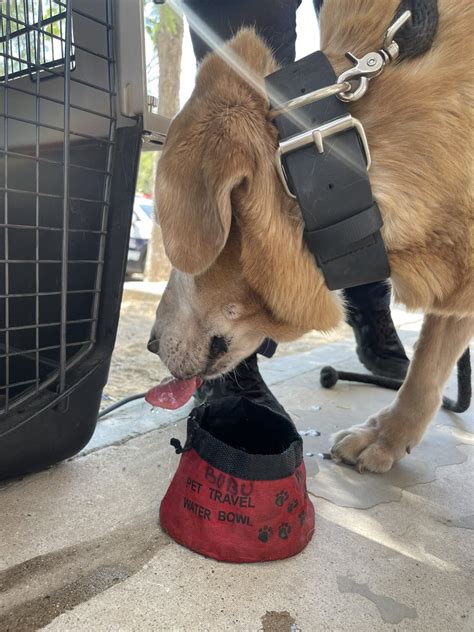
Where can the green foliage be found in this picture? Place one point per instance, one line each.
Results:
(146, 172)
(159, 17)
(24, 40)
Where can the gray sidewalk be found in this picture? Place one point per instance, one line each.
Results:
(81, 548)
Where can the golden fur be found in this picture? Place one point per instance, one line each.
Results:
(417, 117)
(224, 213)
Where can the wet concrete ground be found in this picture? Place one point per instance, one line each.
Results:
(81, 548)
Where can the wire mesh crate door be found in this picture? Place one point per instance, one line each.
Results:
(56, 139)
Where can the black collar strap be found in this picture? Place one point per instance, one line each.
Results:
(326, 168)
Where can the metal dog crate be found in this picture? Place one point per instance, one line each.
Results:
(73, 106)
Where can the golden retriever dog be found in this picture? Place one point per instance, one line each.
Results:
(235, 238)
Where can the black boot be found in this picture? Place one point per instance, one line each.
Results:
(378, 346)
(244, 380)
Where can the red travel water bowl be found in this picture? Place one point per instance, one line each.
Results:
(239, 493)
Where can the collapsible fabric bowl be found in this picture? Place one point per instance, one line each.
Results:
(239, 493)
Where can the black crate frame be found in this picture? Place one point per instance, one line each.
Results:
(40, 72)
(51, 414)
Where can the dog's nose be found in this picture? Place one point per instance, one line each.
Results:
(217, 347)
(153, 345)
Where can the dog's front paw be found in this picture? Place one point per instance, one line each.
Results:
(374, 446)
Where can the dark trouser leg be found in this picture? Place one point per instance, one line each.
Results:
(378, 346)
(274, 20)
(317, 6)
(373, 295)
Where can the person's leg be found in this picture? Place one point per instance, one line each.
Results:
(378, 346)
(214, 22)
(317, 6)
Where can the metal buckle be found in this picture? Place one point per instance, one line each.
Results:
(316, 136)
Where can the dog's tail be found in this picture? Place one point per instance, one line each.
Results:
(329, 377)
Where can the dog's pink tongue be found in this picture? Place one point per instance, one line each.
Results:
(172, 393)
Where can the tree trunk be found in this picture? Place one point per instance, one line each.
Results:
(157, 266)
(169, 45)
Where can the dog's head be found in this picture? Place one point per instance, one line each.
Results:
(241, 270)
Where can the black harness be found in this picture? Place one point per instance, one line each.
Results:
(324, 157)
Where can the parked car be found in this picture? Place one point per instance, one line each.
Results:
(140, 233)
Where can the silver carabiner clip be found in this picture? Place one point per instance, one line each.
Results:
(389, 45)
(371, 64)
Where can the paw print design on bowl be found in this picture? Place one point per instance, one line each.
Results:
(281, 498)
(292, 505)
(284, 530)
(264, 534)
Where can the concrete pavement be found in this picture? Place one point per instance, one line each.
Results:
(81, 549)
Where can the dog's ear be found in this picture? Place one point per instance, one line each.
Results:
(252, 54)
(208, 154)
(193, 195)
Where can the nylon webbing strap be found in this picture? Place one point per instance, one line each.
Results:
(342, 221)
(417, 36)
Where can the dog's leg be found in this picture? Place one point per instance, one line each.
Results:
(385, 438)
